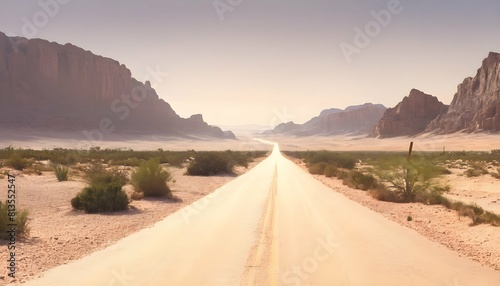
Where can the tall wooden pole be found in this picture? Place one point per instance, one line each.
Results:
(409, 151)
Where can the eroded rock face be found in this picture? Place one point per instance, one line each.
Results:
(354, 120)
(63, 87)
(411, 116)
(476, 105)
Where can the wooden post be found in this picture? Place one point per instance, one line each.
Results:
(408, 186)
(409, 151)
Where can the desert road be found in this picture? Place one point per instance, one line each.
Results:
(274, 225)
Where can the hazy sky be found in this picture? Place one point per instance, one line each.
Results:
(268, 61)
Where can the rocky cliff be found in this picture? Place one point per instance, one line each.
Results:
(476, 105)
(411, 116)
(354, 120)
(63, 87)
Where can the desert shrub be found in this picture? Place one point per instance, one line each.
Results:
(17, 162)
(489, 217)
(98, 174)
(385, 195)
(472, 211)
(341, 160)
(21, 221)
(433, 195)
(341, 173)
(329, 171)
(495, 152)
(446, 171)
(61, 173)
(473, 172)
(409, 218)
(317, 168)
(210, 163)
(358, 180)
(104, 193)
(101, 198)
(407, 177)
(477, 169)
(151, 180)
(131, 162)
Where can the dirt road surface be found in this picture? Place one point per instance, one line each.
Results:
(274, 225)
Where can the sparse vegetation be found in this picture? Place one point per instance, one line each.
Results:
(97, 174)
(330, 170)
(151, 179)
(214, 163)
(21, 221)
(17, 162)
(398, 180)
(104, 193)
(61, 173)
(358, 180)
(477, 169)
(101, 198)
(409, 178)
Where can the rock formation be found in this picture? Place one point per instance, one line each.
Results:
(411, 116)
(476, 105)
(353, 120)
(63, 87)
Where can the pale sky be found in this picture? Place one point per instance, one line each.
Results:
(268, 61)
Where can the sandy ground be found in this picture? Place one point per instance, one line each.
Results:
(426, 142)
(38, 140)
(479, 243)
(483, 190)
(59, 234)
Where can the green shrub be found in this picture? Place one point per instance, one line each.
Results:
(151, 179)
(407, 178)
(358, 180)
(131, 162)
(341, 160)
(385, 195)
(98, 174)
(101, 198)
(473, 211)
(17, 162)
(317, 168)
(489, 217)
(409, 218)
(21, 222)
(210, 163)
(330, 171)
(61, 173)
(473, 172)
(104, 193)
(433, 196)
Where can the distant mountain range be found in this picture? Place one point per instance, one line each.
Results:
(49, 86)
(353, 120)
(475, 108)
